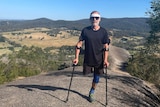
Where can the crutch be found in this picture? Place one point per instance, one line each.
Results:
(105, 71)
(70, 82)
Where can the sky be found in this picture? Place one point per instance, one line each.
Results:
(72, 9)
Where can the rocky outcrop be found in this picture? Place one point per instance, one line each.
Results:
(50, 89)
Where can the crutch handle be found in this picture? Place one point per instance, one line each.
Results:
(73, 64)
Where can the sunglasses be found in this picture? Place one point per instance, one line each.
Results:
(92, 18)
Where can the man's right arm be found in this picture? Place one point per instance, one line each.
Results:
(77, 51)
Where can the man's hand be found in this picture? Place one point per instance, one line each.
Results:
(106, 63)
(75, 61)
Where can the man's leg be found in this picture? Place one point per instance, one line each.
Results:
(94, 84)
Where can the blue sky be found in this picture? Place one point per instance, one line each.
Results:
(72, 9)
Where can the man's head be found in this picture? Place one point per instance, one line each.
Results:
(95, 18)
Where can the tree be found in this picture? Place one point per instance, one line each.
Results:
(154, 23)
(145, 63)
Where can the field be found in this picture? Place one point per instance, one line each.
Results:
(39, 37)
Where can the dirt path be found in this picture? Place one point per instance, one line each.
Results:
(118, 56)
(50, 90)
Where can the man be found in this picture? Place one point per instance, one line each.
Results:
(96, 50)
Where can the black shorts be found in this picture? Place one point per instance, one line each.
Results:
(93, 69)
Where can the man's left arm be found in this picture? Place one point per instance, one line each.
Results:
(106, 53)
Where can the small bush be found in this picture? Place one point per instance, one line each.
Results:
(145, 67)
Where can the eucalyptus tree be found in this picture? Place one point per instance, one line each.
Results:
(153, 43)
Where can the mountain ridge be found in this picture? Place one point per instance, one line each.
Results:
(125, 24)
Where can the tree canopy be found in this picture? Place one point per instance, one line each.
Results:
(154, 23)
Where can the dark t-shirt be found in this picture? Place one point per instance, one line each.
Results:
(94, 45)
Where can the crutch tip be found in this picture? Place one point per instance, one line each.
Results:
(66, 101)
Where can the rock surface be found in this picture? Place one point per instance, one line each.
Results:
(51, 89)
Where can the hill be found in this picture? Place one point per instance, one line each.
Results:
(119, 24)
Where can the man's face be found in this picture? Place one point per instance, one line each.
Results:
(95, 19)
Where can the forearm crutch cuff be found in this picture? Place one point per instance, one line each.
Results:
(78, 47)
(106, 49)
